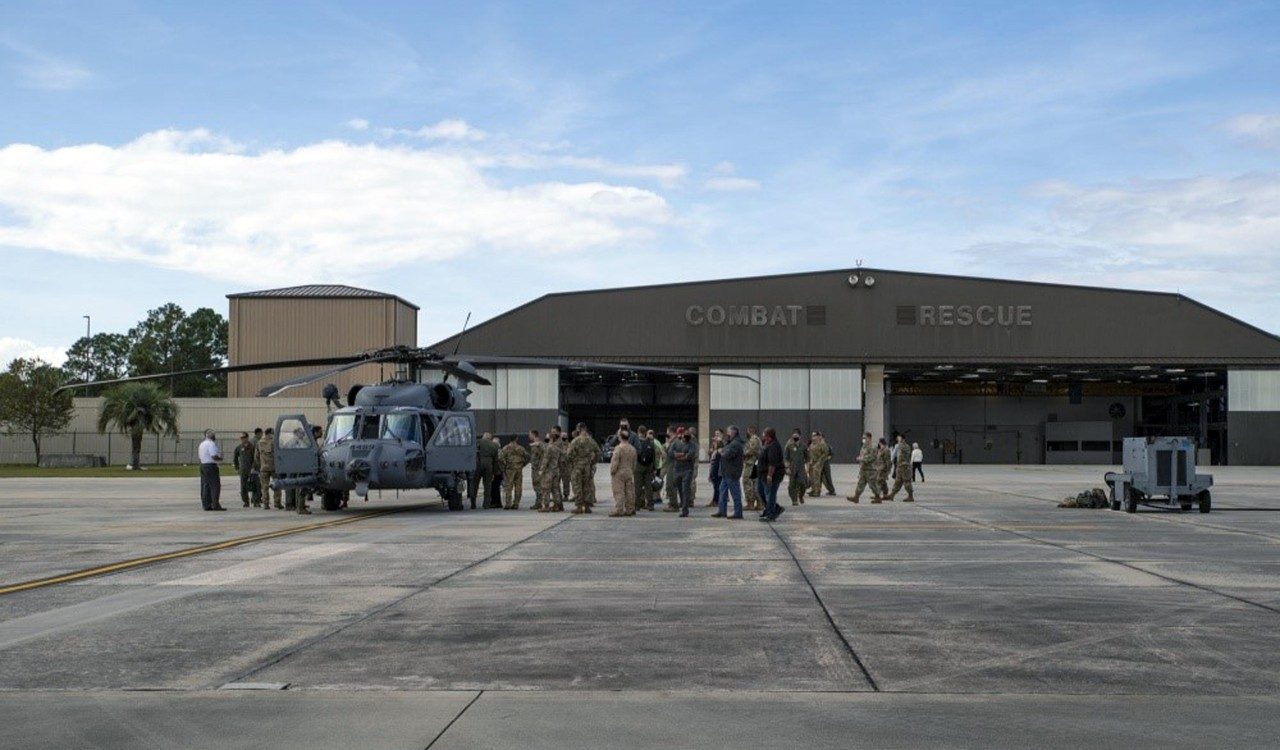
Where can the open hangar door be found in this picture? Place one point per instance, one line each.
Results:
(1059, 414)
(600, 398)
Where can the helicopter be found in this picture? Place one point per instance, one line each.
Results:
(401, 434)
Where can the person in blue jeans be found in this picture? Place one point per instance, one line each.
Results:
(731, 459)
(769, 472)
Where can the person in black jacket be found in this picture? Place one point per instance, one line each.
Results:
(769, 472)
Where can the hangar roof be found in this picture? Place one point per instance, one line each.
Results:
(323, 291)
(904, 317)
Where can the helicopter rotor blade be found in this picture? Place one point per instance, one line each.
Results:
(577, 364)
(218, 371)
(301, 380)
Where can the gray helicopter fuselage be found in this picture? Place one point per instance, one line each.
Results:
(394, 436)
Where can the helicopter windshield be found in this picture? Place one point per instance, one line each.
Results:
(341, 427)
(400, 427)
(369, 427)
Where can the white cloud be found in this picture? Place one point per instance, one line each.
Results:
(41, 70)
(357, 123)
(1258, 129)
(14, 348)
(1217, 238)
(445, 130)
(730, 184)
(666, 174)
(190, 201)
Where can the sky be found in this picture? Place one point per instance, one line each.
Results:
(470, 157)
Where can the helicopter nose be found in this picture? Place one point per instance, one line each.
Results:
(359, 470)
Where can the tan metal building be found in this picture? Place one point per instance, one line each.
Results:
(306, 322)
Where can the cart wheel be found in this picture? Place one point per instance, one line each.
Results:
(1130, 500)
(1115, 502)
(1205, 502)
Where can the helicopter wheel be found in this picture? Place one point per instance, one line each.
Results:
(331, 500)
(452, 497)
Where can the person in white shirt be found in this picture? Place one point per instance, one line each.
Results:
(917, 461)
(210, 480)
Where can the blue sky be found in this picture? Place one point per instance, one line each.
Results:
(475, 156)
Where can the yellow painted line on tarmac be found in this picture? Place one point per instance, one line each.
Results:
(138, 562)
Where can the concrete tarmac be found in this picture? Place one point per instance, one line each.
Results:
(982, 615)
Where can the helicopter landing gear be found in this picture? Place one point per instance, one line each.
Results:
(331, 500)
(451, 493)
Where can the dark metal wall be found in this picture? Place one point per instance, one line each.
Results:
(1254, 438)
(818, 317)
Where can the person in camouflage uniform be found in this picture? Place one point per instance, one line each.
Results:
(265, 459)
(819, 458)
(552, 467)
(537, 456)
(512, 457)
(584, 454)
(902, 471)
(566, 477)
(882, 468)
(866, 470)
(750, 494)
(798, 466)
(693, 481)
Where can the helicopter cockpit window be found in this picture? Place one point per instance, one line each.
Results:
(455, 432)
(369, 427)
(428, 428)
(402, 427)
(293, 435)
(341, 427)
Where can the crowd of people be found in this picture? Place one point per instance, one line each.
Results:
(746, 470)
(254, 460)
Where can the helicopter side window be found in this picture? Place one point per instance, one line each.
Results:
(455, 432)
(369, 427)
(293, 435)
(341, 427)
(401, 427)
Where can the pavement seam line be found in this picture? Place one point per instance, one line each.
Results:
(139, 562)
(1104, 558)
(308, 643)
(454, 720)
(866, 673)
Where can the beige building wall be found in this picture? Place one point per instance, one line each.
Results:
(277, 328)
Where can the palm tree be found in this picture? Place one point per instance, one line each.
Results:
(135, 409)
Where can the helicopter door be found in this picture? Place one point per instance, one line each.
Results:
(453, 448)
(295, 447)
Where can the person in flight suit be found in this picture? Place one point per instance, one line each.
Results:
(799, 467)
(265, 458)
(242, 459)
(622, 473)
(486, 458)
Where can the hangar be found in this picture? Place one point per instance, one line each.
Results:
(976, 370)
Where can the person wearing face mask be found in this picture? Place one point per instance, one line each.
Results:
(796, 455)
(866, 470)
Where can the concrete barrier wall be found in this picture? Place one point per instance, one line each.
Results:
(227, 416)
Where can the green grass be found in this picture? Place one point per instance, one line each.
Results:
(11, 471)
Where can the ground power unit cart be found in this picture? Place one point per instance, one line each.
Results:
(1160, 469)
